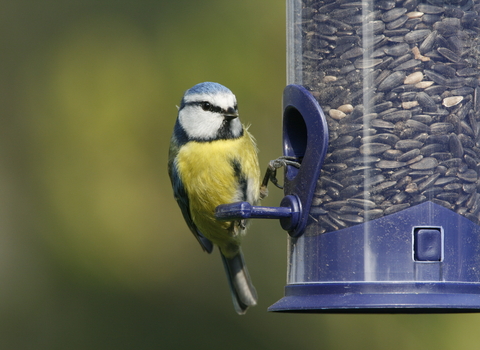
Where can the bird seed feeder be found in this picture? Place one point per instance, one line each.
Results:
(383, 214)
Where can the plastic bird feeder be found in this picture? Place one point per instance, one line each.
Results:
(383, 214)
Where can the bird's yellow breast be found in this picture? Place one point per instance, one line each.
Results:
(210, 179)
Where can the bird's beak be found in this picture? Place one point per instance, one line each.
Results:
(230, 114)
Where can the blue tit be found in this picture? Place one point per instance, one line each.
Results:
(212, 161)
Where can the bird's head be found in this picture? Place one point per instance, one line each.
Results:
(208, 111)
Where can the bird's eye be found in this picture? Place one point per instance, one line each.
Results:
(206, 106)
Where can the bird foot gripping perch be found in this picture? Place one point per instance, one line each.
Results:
(271, 173)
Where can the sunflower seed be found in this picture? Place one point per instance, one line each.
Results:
(408, 65)
(467, 72)
(441, 128)
(351, 218)
(442, 203)
(448, 196)
(393, 80)
(336, 114)
(344, 153)
(397, 50)
(446, 70)
(428, 43)
(428, 182)
(436, 77)
(427, 102)
(469, 176)
(406, 145)
(409, 155)
(423, 84)
(373, 148)
(371, 214)
(452, 101)
(455, 146)
(393, 14)
(396, 208)
(449, 55)
(362, 203)
(413, 78)
(417, 126)
(417, 35)
(425, 163)
(389, 164)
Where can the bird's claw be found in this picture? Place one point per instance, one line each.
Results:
(273, 165)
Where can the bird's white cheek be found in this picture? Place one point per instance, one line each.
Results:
(202, 125)
(207, 128)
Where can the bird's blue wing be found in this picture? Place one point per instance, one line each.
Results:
(182, 199)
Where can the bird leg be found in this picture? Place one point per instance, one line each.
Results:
(271, 173)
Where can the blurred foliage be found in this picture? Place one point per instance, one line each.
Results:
(94, 253)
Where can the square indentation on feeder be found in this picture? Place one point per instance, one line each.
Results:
(427, 244)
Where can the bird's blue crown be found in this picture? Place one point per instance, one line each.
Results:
(207, 88)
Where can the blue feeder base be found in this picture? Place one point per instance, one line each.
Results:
(426, 259)
(380, 298)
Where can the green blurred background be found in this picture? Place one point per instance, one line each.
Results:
(94, 253)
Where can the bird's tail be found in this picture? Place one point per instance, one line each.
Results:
(241, 287)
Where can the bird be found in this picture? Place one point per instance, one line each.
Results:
(213, 160)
